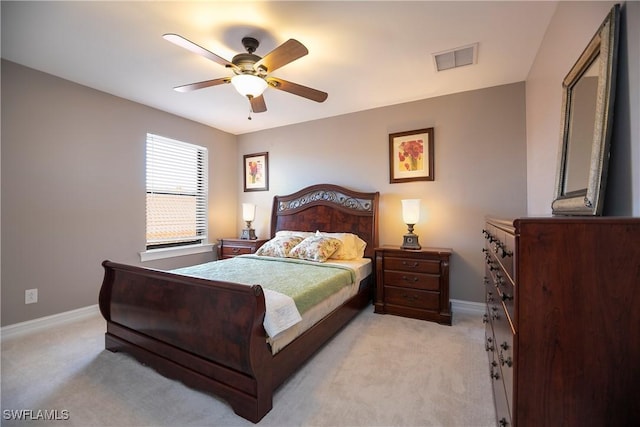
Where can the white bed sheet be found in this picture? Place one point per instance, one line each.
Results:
(362, 267)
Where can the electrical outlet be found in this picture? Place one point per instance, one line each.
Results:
(31, 296)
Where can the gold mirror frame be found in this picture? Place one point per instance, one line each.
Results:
(603, 48)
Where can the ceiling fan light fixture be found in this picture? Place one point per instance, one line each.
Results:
(249, 85)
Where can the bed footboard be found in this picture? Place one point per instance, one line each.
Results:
(207, 334)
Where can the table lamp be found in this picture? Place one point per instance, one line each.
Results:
(410, 215)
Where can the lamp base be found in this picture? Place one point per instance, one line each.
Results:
(248, 234)
(410, 241)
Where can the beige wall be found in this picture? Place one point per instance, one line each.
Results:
(480, 168)
(72, 168)
(73, 179)
(569, 32)
(73, 188)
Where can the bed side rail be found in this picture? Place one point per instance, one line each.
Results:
(218, 321)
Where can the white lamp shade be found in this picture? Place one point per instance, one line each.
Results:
(249, 85)
(411, 211)
(248, 211)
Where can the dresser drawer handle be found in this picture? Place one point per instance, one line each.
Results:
(235, 250)
(413, 264)
(506, 361)
(488, 345)
(494, 374)
(410, 279)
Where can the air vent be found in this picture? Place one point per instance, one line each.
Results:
(459, 57)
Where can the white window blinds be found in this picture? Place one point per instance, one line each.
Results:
(176, 192)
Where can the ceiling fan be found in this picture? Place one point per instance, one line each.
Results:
(252, 72)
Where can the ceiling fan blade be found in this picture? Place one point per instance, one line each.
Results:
(257, 104)
(199, 50)
(287, 52)
(296, 89)
(202, 85)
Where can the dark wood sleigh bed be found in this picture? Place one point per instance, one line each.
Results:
(209, 334)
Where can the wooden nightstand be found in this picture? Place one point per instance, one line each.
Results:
(230, 248)
(413, 283)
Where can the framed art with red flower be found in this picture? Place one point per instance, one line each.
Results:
(256, 172)
(411, 156)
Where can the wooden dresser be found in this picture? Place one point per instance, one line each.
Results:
(413, 283)
(563, 320)
(229, 248)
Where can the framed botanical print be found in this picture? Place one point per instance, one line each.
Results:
(411, 156)
(256, 172)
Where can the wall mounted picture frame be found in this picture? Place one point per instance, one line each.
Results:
(411, 156)
(256, 172)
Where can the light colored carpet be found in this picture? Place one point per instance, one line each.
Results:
(380, 370)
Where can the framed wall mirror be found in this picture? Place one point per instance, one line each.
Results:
(586, 122)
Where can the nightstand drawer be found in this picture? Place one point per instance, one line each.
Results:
(230, 248)
(412, 264)
(231, 251)
(424, 300)
(427, 282)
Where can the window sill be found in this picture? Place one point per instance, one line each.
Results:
(154, 254)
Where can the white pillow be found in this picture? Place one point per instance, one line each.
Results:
(352, 246)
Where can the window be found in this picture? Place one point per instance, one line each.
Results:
(176, 193)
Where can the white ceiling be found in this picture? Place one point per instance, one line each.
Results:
(365, 54)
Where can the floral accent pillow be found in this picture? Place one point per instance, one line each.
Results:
(316, 248)
(279, 246)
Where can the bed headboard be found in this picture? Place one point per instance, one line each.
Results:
(329, 208)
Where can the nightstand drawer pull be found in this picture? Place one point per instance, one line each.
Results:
(412, 279)
(235, 250)
(412, 265)
(409, 297)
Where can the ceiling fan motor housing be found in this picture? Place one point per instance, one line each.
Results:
(245, 61)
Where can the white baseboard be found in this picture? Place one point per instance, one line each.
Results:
(468, 307)
(30, 326)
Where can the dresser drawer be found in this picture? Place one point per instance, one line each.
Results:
(503, 289)
(412, 280)
(504, 338)
(412, 265)
(509, 254)
(425, 300)
(507, 295)
(501, 245)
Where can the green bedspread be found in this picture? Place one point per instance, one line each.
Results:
(306, 282)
